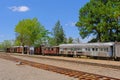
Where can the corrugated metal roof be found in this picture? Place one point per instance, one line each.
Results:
(87, 44)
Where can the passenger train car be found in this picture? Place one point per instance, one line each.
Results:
(16, 49)
(54, 50)
(105, 50)
(38, 50)
(110, 50)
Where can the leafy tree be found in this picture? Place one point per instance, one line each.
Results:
(92, 40)
(6, 44)
(100, 18)
(30, 32)
(44, 38)
(58, 34)
(17, 42)
(1, 47)
(70, 40)
(51, 41)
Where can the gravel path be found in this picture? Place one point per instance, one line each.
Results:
(10, 71)
(115, 73)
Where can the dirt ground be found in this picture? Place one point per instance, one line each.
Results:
(110, 72)
(11, 71)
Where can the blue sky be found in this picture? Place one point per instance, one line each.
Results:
(48, 13)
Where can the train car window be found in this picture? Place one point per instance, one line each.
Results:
(48, 48)
(88, 49)
(72, 49)
(101, 49)
(96, 49)
(75, 49)
(93, 49)
(80, 48)
(52, 49)
(106, 49)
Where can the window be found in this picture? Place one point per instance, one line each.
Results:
(106, 49)
(88, 49)
(96, 49)
(101, 49)
(52, 49)
(93, 49)
(79, 48)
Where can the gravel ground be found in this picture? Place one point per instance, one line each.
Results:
(10, 71)
(108, 62)
(115, 73)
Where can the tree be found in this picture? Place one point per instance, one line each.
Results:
(43, 38)
(1, 47)
(100, 18)
(76, 41)
(70, 40)
(6, 44)
(92, 40)
(51, 41)
(30, 32)
(58, 34)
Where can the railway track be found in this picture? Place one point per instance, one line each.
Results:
(72, 73)
(65, 60)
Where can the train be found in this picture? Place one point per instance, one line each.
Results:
(96, 50)
(16, 49)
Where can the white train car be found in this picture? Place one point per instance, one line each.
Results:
(110, 49)
(117, 51)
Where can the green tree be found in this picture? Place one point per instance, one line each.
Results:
(1, 48)
(92, 40)
(51, 41)
(30, 32)
(6, 44)
(58, 34)
(100, 18)
(70, 40)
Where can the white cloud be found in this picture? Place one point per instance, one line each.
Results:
(70, 24)
(19, 8)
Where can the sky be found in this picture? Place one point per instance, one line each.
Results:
(48, 12)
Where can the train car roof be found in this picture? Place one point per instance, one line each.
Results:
(18, 46)
(87, 45)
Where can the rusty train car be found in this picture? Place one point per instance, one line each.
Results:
(41, 50)
(16, 49)
(46, 50)
(38, 50)
(54, 50)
